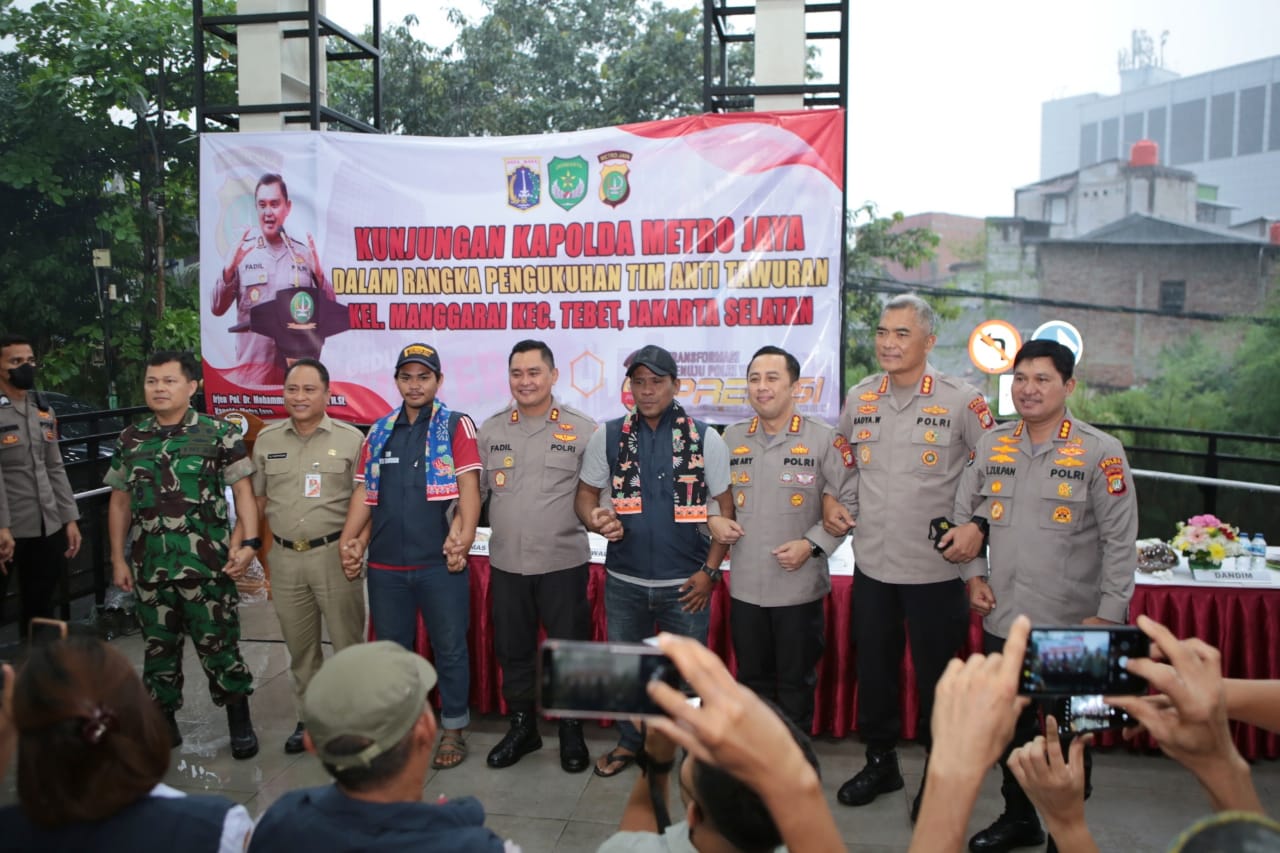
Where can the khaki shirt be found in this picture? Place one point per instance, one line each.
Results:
(1063, 523)
(777, 484)
(531, 468)
(34, 489)
(909, 461)
(307, 481)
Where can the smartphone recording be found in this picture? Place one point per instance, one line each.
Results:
(601, 680)
(1080, 714)
(41, 630)
(1082, 661)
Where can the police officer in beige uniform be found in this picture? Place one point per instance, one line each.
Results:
(303, 483)
(912, 429)
(38, 515)
(538, 552)
(782, 468)
(1057, 498)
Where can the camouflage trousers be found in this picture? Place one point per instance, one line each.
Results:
(205, 608)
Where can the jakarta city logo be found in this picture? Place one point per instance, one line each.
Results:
(302, 307)
(568, 180)
(524, 181)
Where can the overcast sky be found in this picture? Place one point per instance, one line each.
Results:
(944, 103)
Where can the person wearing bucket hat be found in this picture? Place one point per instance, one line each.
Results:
(647, 480)
(414, 508)
(371, 726)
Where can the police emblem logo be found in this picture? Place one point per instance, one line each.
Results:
(568, 181)
(1064, 490)
(255, 293)
(742, 498)
(10, 438)
(786, 477)
(1115, 480)
(1068, 462)
(500, 479)
(564, 436)
(806, 479)
(868, 410)
(524, 182)
(935, 410)
(741, 449)
(1072, 451)
(1062, 514)
(800, 450)
(797, 499)
(929, 457)
(864, 453)
(931, 436)
(508, 461)
(997, 510)
(1001, 457)
(978, 406)
(864, 434)
(997, 486)
(302, 307)
(869, 397)
(615, 177)
(1111, 462)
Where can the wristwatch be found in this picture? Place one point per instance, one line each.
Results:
(814, 550)
(255, 543)
(714, 574)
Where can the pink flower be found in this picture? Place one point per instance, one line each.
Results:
(1205, 520)
(1196, 536)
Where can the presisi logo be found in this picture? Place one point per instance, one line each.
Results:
(732, 391)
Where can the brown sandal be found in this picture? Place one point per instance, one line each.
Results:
(615, 756)
(451, 752)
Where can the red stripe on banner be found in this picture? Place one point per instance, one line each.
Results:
(363, 406)
(748, 143)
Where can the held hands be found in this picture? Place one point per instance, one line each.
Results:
(794, 554)
(352, 558)
(726, 531)
(981, 598)
(606, 522)
(836, 519)
(457, 547)
(238, 562)
(696, 592)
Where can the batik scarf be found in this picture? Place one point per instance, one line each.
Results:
(442, 484)
(687, 468)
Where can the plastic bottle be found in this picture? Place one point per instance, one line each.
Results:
(1259, 548)
(1244, 559)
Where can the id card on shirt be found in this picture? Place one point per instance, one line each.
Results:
(311, 486)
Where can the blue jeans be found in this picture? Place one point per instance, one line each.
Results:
(444, 599)
(635, 612)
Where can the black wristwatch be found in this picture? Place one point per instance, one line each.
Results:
(714, 574)
(814, 550)
(255, 543)
(983, 524)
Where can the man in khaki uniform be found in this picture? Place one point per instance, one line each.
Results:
(782, 469)
(912, 429)
(538, 553)
(303, 483)
(1056, 496)
(38, 515)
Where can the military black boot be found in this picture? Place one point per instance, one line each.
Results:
(520, 740)
(574, 757)
(244, 743)
(880, 776)
(175, 734)
(1017, 827)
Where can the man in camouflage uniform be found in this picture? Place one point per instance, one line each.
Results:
(168, 477)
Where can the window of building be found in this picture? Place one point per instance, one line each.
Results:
(1055, 209)
(1110, 139)
(1186, 135)
(1089, 143)
(1155, 130)
(1132, 132)
(1253, 106)
(1173, 297)
(1222, 125)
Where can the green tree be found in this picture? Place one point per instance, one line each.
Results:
(90, 158)
(875, 241)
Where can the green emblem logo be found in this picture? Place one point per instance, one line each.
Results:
(568, 180)
(302, 307)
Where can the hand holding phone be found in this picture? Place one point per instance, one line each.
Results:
(1083, 661)
(601, 680)
(43, 630)
(1079, 714)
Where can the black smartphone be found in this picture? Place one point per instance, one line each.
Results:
(599, 680)
(41, 630)
(1079, 714)
(1084, 660)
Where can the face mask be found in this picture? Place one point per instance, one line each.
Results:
(23, 376)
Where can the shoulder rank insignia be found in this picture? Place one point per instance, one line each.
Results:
(1064, 431)
(926, 384)
(554, 415)
(796, 421)
(515, 416)
(755, 424)
(884, 384)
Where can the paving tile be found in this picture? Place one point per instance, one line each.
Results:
(583, 836)
(533, 834)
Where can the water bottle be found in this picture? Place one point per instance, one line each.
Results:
(1259, 549)
(1244, 557)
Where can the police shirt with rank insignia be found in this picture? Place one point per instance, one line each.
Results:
(35, 495)
(1063, 519)
(531, 468)
(307, 481)
(777, 484)
(909, 454)
(176, 477)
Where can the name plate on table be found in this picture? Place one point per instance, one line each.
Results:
(1229, 575)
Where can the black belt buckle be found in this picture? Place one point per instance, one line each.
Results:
(938, 527)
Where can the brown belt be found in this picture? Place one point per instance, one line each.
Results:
(307, 544)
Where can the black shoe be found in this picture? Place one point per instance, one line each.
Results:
(880, 776)
(244, 743)
(915, 803)
(175, 734)
(294, 744)
(520, 740)
(1009, 831)
(574, 757)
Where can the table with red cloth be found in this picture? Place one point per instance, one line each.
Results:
(1242, 623)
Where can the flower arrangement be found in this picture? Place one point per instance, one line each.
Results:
(1206, 540)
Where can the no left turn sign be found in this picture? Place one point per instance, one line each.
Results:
(993, 345)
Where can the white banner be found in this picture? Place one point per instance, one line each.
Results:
(710, 236)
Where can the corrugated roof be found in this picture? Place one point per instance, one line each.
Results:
(1138, 229)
